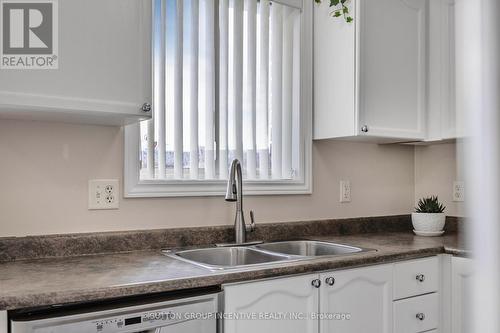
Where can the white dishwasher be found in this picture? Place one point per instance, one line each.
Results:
(194, 314)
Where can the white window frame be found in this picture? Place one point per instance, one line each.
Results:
(134, 187)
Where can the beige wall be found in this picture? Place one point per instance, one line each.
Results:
(436, 169)
(45, 167)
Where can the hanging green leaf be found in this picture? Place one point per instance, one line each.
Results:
(339, 9)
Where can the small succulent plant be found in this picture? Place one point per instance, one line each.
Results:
(429, 205)
(339, 9)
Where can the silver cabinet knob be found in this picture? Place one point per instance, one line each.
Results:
(420, 316)
(420, 277)
(316, 283)
(364, 128)
(146, 107)
(330, 281)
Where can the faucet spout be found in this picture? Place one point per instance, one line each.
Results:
(233, 180)
(234, 193)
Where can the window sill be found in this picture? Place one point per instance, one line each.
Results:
(193, 188)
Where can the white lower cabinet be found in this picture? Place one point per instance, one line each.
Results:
(416, 314)
(417, 300)
(3, 322)
(364, 295)
(416, 277)
(261, 305)
(461, 291)
(412, 296)
(355, 301)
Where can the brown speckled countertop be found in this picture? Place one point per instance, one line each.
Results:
(39, 282)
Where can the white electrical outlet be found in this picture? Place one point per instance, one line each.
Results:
(104, 194)
(345, 191)
(458, 191)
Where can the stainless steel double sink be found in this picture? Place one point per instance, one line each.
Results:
(240, 257)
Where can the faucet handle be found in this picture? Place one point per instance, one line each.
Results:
(252, 221)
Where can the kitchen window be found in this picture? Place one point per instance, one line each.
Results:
(232, 79)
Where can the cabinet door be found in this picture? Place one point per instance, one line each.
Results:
(461, 289)
(360, 300)
(272, 306)
(3, 322)
(104, 67)
(406, 277)
(334, 81)
(417, 314)
(441, 112)
(392, 68)
(190, 326)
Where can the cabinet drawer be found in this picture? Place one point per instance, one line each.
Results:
(416, 277)
(417, 314)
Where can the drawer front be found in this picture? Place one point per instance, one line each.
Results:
(416, 277)
(416, 314)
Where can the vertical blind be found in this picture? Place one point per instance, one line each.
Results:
(226, 85)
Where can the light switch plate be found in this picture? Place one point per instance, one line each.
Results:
(345, 191)
(458, 191)
(104, 194)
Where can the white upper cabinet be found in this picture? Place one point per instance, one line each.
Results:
(104, 67)
(335, 106)
(392, 68)
(364, 294)
(370, 75)
(442, 122)
(388, 75)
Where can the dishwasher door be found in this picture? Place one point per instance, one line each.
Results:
(201, 326)
(196, 314)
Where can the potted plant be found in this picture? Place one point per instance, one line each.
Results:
(429, 217)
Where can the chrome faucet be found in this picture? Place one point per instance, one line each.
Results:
(234, 192)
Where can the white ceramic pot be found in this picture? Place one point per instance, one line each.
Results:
(428, 222)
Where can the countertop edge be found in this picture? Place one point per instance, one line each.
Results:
(225, 277)
(456, 252)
